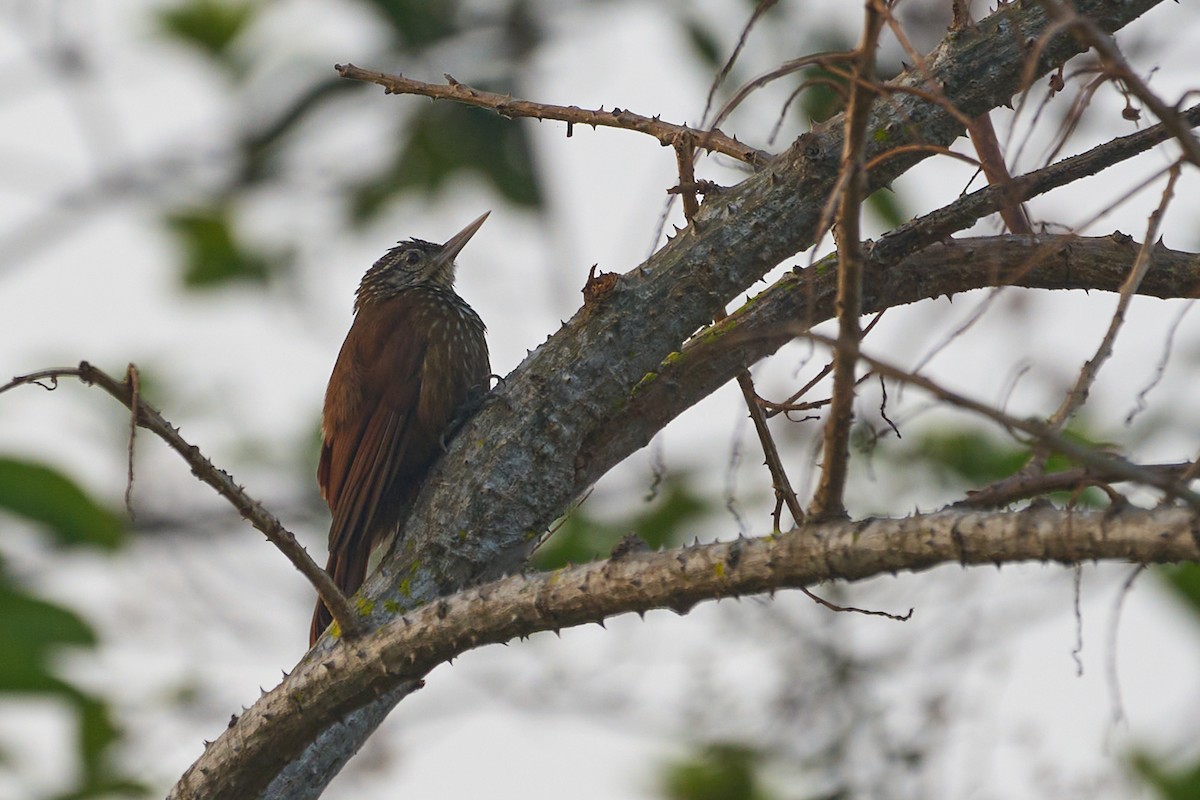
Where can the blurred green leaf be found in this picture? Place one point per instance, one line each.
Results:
(976, 458)
(29, 629)
(715, 772)
(820, 100)
(419, 24)
(1184, 579)
(1170, 784)
(971, 455)
(704, 44)
(212, 254)
(48, 497)
(887, 207)
(581, 539)
(522, 30)
(444, 140)
(208, 25)
(32, 630)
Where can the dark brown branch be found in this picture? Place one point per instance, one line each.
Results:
(146, 416)
(965, 212)
(507, 106)
(784, 494)
(711, 358)
(1024, 487)
(828, 502)
(991, 159)
(764, 325)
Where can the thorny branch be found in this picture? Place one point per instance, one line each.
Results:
(406, 647)
(508, 106)
(828, 502)
(146, 416)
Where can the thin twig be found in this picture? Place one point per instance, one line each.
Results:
(685, 162)
(783, 487)
(1105, 46)
(1114, 680)
(1091, 369)
(149, 418)
(761, 8)
(1116, 466)
(1023, 487)
(133, 379)
(508, 106)
(828, 502)
(1160, 369)
(964, 212)
(991, 159)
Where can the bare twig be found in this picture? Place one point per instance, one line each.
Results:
(1023, 487)
(133, 379)
(1106, 47)
(964, 212)
(991, 159)
(1160, 369)
(1046, 436)
(783, 487)
(1087, 375)
(1114, 627)
(980, 129)
(828, 502)
(508, 106)
(685, 161)
(761, 8)
(253, 511)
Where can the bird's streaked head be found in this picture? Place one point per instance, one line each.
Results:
(415, 263)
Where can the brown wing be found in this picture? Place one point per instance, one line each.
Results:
(372, 449)
(407, 367)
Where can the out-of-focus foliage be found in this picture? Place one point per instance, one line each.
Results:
(445, 140)
(1175, 782)
(715, 772)
(212, 254)
(208, 25)
(969, 455)
(1183, 784)
(580, 539)
(33, 631)
(439, 142)
(45, 496)
(972, 458)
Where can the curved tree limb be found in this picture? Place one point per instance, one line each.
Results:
(406, 648)
(805, 298)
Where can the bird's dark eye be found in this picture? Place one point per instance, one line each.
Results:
(412, 258)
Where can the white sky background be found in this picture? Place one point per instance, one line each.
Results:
(214, 613)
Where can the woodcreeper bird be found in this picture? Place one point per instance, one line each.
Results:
(415, 359)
